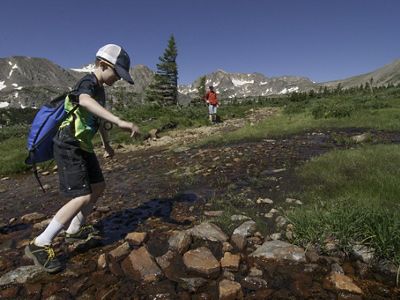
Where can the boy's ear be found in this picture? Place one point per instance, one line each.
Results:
(103, 65)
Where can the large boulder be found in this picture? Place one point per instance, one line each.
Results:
(201, 261)
(141, 266)
(208, 231)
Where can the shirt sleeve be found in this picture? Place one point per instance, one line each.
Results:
(85, 87)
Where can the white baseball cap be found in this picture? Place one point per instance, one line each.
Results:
(118, 57)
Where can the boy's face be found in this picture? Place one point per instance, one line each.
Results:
(110, 76)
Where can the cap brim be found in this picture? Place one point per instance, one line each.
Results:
(123, 74)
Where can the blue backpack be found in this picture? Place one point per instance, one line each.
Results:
(43, 129)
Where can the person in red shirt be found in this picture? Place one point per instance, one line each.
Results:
(212, 102)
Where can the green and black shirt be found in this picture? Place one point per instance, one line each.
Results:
(83, 123)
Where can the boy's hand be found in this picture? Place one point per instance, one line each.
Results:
(129, 126)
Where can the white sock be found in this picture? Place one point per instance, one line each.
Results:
(45, 238)
(79, 219)
(76, 223)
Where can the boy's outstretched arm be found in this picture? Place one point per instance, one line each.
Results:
(108, 150)
(95, 108)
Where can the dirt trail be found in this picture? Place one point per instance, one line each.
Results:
(185, 137)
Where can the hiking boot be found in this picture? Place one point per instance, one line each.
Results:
(84, 234)
(43, 257)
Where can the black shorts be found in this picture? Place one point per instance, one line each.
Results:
(77, 169)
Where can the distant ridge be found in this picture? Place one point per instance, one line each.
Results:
(29, 82)
(388, 74)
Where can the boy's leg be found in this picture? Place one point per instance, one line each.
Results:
(64, 215)
(75, 181)
(77, 230)
(79, 220)
(40, 250)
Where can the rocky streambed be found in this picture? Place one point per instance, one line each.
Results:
(160, 233)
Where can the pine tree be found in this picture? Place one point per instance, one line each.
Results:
(164, 89)
(201, 90)
(371, 81)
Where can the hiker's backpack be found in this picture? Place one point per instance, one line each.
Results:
(43, 129)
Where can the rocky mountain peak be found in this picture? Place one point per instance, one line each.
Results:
(30, 82)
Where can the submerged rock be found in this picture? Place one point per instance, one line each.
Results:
(253, 283)
(279, 251)
(192, 284)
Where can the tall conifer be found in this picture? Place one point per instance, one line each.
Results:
(164, 89)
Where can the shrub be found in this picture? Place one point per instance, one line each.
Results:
(332, 110)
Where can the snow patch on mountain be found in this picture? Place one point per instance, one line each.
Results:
(212, 83)
(14, 67)
(289, 90)
(16, 87)
(2, 85)
(4, 104)
(239, 82)
(186, 89)
(86, 69)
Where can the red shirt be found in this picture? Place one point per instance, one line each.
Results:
(211, 96)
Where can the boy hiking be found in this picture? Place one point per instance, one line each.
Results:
(212, 102)
(79, 172)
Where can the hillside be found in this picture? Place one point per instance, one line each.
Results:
(388, 74)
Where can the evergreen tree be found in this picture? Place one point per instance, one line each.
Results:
(338, 88)
(201, 90)
(371, 81)
(366, 87)
(164, 89)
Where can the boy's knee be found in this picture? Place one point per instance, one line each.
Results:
(85, 200)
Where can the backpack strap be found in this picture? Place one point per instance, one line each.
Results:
(35, 172)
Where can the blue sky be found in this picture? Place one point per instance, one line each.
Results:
(320, 39)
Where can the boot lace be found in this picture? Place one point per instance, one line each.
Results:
(50, 252)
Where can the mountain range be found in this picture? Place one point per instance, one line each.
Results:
(30, 82)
